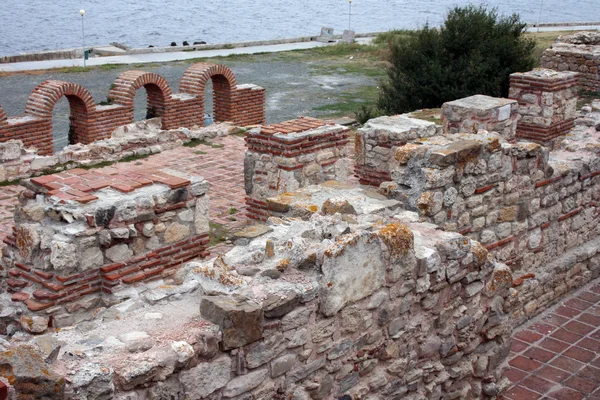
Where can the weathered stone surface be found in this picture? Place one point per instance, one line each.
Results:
(92, 381)
(201, 215)
(244, 383)
(29, 374)
(352, 270)
(264, 351)
(176, 232)
(206, 377)
(241, 321)
(119, 253)
(283, 364)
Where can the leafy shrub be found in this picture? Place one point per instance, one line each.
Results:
(474, 52)
(365, 113)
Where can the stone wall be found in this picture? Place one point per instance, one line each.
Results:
(527, 205)
(79, 235)
(384, 308)
(240, 104)
(297, 153)
(376, 143)
(547, 103)
(139, 139)
(577, 53)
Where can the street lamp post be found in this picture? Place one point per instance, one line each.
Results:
(349, 15)
(82, 13)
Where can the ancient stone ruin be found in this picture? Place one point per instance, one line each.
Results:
(579, 53)
(241, 104)
(406, 287)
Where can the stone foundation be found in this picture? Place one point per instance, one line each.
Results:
(547, 103)
(471, 114)
(579, 53)
(293, 154)
(377, 141)
(80, 235)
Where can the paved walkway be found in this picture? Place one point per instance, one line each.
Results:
(163, 57)
(557, 356)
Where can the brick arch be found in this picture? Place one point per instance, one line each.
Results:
(126, 85)
(44, 97)
(194, 81)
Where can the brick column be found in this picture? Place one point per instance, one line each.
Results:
(284, 157)
(547, 103)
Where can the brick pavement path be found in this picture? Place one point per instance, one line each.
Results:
(557, 356)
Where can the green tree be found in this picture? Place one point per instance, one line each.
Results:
(474, 52)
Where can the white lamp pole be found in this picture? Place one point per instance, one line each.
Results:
(349, 15)
(82, 13)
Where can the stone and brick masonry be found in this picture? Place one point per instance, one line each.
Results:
(547, 103)
(80, 234)
(283, 157)
(241, 104)
(579, 53)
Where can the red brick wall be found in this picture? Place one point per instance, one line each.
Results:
(89, 122)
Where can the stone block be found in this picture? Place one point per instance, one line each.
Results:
(480, 112)
(241, 322)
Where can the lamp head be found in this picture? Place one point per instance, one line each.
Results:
(82, 12)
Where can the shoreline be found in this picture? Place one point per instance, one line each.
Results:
(122, 50)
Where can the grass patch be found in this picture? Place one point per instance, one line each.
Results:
(429, 114)
(97, 165)
(134, 157)
(360, 67)
(586, 97)
(200, 152)
(350, 102)
(217, 233)
(72, 70)
(204, 142)
(110, 67)
(233, 210)
(10, 183)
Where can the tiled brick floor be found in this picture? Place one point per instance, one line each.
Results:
(221, 163)
(557, 356)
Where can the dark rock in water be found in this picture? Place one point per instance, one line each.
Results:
(597, 127)
(173, 44)
(185, 43)
(151, 46)
(200, 42)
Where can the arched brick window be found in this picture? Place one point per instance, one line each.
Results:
(44, 97)
(195, 78)
(157, 88)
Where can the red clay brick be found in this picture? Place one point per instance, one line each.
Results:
(578, 327)
(580, 384)
(566, 394)
(580, 354)
(567, 311)
(535, 353)
(524, 364)
(566, 336)
(533, 382)
(518, 346)
(577, 304)
(552, 374)
(520, 393)
(589, 319)
(590, 344)
(553, 345)
(590, 373)
(590, 297)
(528, 336)
(515, 375)
(567, 364)
(543, 328)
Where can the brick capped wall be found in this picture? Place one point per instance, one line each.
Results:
(284, 157)
(240, 104)
(547, 103)
(86, 233)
